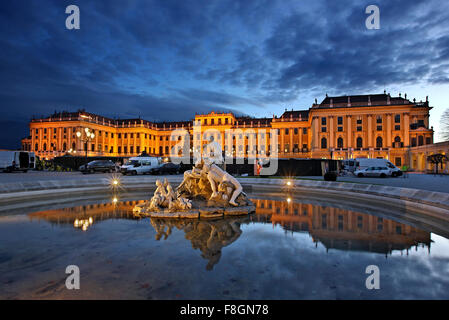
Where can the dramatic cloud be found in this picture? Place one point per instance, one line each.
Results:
(166, 60)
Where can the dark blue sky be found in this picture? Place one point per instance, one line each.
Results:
(166, 60)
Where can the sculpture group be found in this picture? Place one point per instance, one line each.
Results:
(206, 191)
(209, 236)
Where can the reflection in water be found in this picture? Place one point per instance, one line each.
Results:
(341, 229)
(90, 213)
(335, 228)
(207, 236)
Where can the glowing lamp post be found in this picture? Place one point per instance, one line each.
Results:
(85, 136)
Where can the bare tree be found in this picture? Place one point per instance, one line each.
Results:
(444, 126)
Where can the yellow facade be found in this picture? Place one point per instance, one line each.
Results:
(365, 126)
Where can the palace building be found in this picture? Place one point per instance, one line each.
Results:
(360, 126)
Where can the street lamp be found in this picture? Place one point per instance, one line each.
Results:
(85, 136)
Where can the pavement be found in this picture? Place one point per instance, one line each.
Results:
(31, 176)
(429, 182)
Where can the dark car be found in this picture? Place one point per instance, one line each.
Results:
(168, 168)
(98, 166)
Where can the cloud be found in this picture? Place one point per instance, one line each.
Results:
(166, 60)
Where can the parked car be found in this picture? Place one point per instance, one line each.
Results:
(168, 168)
(382, 172)
(141, 165)
(358, 164)
(98, 166)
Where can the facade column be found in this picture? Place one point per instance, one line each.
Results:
(97, 133)
(40, 135)
(33, 136)
(315, 132)
(349, 131)
(142, 142)
(59, 135)
(331, 132)
(291, 131)
(388, 144)
(406, 129)
(370, 131)
(69, 138)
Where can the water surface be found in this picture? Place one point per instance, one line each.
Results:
(289, 249)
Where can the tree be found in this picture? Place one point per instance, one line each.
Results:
(444, 126)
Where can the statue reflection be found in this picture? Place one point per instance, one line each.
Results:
(207, 236)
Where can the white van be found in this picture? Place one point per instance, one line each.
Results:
(141, 165)
(363, 163)
(17, 161)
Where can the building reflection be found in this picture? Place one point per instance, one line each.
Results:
(207, 236)
(341, 229)
(335, 228)
(92, 213)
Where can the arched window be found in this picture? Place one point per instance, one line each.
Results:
(397, 139)
(323, 143)
(73, 146)
(359, 142)
(36, 147)
(45, 147)
(64, 147)
(379, 142)
(340, 142)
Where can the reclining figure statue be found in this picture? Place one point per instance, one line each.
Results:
(220, 179)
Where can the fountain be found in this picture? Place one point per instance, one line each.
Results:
(207, 191)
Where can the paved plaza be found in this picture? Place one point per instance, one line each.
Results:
(429, 182)
(439, 183)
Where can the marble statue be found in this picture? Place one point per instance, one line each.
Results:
(165, 197)
(217, 176)
(207, 191)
